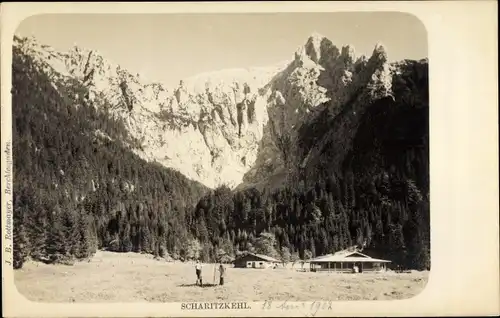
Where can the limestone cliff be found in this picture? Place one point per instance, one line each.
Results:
(236, 127)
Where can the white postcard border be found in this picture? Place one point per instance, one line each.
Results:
(462, 42)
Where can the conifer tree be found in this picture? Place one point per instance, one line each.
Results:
(285, 255)
(85, 239)
(71, 232)
(20, 240)
(56, 249)
(125, 241)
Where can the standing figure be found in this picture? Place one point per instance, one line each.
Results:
(198, 273)
(222, 272)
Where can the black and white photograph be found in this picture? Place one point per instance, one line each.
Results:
(221, 158)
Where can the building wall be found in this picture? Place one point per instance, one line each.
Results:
(346, 267)
(251, 261)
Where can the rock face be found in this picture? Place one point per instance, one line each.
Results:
(235, 127)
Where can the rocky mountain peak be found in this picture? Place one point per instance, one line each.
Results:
(380, 52)
(313, 46)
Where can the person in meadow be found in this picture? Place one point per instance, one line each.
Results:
(354, 269)
(198, 273)
(222, 272)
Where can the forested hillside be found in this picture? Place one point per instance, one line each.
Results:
(79, 186)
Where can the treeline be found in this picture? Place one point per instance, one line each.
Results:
(393, 223)
(78, 187)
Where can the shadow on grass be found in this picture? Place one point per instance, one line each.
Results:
(196, 285)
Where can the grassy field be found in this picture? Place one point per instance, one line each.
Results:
(112, 277)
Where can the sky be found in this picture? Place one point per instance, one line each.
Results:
(170, 47)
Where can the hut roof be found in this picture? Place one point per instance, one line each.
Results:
(267, 258)
(347, 256)
(264, 257)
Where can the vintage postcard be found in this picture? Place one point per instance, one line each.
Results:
(249, 159)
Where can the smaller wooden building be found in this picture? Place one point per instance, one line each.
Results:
(251, 260)
(344, 261)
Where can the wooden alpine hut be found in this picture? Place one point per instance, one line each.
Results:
(345, 261)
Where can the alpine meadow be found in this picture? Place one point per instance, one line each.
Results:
(321, 153)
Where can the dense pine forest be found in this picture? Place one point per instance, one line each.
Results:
(79, 186)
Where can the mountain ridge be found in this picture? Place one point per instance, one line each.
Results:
(225, 126)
